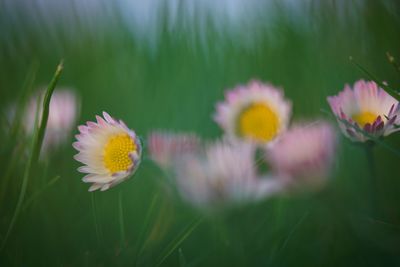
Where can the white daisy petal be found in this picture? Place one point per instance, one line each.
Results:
(105, 187)
(110, 151)
(95, 187)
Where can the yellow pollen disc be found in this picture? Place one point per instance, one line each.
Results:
(258, 122)
(364, 118)
(116, 153)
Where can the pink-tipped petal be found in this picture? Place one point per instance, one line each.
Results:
(92, 145)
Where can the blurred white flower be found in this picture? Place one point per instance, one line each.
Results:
(224, 175)
(165, 147)
(63, 112)
(303, 156)
(254, 112)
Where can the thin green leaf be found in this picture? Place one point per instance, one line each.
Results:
(23, 99)
(9, 171)
(36, 143)
(296, 226)
(182, 260)
(45, 113)
(15, 125)
(178, 240)
(38, 193)
(24, 185)
(141, 242)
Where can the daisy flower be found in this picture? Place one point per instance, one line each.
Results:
(255, 112)
(165, 147)
(365, 107)
(302, 157)
(63, 112)
(110, 151)
(224, 174)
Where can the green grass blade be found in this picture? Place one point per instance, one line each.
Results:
(36, 142)
(45, 114)
(24, 185)
(294, 229)
(144, 230)
(15, 126)
(8, 173)
(23, 99)
(182, 260)
(174, 244)
(38, 193)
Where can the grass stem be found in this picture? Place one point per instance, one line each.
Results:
(36, 143)
(121, 219)
(45, 113)
(369, 153)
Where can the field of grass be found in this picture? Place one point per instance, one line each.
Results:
(174, 84)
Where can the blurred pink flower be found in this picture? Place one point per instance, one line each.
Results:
(304, 154)
(165, 147)
(225, 174)
(365, 107)
(255, 112)
(63, 113)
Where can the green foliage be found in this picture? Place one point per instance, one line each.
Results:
(142, 222)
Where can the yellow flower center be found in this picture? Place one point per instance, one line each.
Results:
(258, 122)
(116, 153)
(363, 118)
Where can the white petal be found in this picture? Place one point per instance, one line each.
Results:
(94, 187)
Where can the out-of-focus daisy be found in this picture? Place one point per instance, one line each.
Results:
(302, 157)
(165, 147)
(255, 112)
(110, 151)
(365, 107)
(223, 175)
(63, 112)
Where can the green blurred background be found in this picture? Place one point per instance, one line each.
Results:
(165, 69)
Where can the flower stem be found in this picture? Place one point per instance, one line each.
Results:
(95, 219)
(369, 152)
(121, 220)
